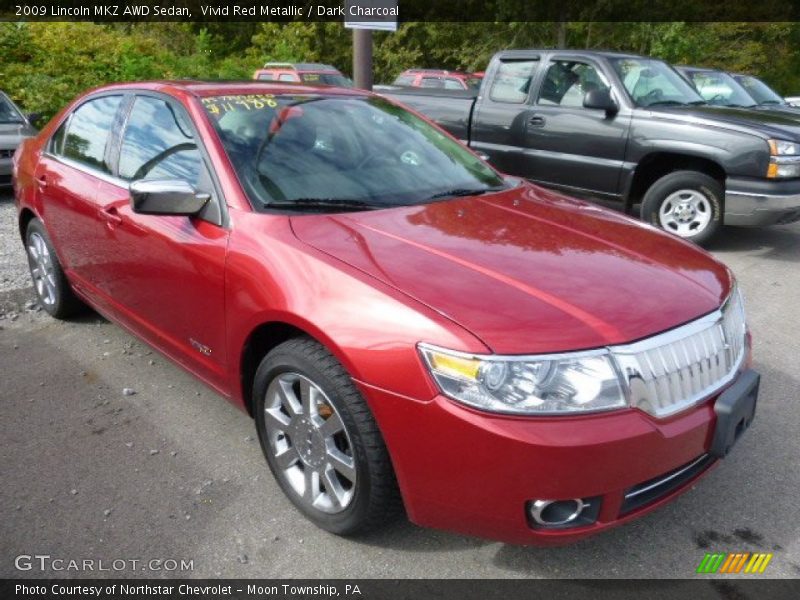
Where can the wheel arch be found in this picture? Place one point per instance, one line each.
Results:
(26, 215)
(655, 165)
(266, 336)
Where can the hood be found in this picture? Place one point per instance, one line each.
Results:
(771, 123)
(12, 134)
(528, 270)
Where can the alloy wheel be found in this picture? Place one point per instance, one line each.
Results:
(42, 270)
(309, 443)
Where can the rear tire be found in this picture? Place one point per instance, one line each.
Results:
(685, 203)
(52, 288)
(321, 441)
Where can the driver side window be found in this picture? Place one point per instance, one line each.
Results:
(566, 83)
(158, 144)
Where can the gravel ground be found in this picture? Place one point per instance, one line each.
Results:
(14, 273)
(170, 470)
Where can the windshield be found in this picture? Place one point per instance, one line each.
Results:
(720, 88)
(758, 90)
(299, 149)
(336, 79)
(9, 112)
(653, 82)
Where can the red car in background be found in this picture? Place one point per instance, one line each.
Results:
(310, 73)
(437, 78)
(410, 328)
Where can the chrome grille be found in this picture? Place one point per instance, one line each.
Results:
(674, 370)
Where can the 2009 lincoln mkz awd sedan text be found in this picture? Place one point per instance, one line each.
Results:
(409, 328)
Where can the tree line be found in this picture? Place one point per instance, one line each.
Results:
(44, 65)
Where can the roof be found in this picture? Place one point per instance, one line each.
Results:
(203, 89)
(517, 53)
(300, 66)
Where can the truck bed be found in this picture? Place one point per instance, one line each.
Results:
(451, 109)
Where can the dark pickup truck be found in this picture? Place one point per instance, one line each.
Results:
(630, 128)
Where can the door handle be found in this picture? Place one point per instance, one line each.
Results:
(111, 215)
(537, 121)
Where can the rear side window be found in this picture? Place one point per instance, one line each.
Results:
(268, 76)
(404, 80)
(431, 82)
(453, 84)
(512, 81)
(286, 77)
(158, 144)
(89, 130)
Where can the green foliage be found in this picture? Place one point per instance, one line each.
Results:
(44, 65)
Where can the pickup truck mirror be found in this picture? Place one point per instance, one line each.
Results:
(33, 117)
(166, 197)
(600, 99)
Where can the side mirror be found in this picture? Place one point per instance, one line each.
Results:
(33, 117)
(166, 197)
(600, 99)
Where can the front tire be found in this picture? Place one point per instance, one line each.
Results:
(52, 288)
(321, 441)
(685, 203)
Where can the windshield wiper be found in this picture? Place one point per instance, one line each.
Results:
(457, 192)
(698, 103)
(322, 203)
(769, 102)
(666, 103)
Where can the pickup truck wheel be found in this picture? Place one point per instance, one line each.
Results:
(686, 203)
(321, 441)
(52, 288)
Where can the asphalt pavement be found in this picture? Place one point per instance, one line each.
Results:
(172, 472)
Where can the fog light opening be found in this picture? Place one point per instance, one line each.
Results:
(552, 513)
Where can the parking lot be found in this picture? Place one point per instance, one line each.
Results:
(172, 471)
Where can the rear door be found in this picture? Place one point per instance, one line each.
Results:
(501, 112)
(75, 160)
(165, 275)
(569, 145)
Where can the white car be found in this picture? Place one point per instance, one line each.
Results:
(793, 100)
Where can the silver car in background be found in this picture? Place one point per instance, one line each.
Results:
(14, 127)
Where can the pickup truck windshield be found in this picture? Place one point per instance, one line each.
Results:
(654, 83)
(760, 91)
(720, 89)
(8, 112)
(323, 152)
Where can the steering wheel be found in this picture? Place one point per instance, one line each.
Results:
(653, 95)
(153, 162)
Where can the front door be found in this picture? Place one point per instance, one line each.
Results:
(570, 145)
(165, 275)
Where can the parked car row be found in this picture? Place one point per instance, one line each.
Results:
(629, 128)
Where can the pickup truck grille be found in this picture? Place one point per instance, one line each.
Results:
(676, 369)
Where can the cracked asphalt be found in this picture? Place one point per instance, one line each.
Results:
(172, 471)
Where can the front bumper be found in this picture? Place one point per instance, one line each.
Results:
(475, 473)
(757, 202)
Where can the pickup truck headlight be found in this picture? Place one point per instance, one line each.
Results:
(531, 385)
(784, 159)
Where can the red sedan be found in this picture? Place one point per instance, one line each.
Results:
(409, 328)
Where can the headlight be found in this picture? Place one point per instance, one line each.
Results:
(785, 159)
(531, 385)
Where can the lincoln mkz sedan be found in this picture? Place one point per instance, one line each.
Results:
(411, 330)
